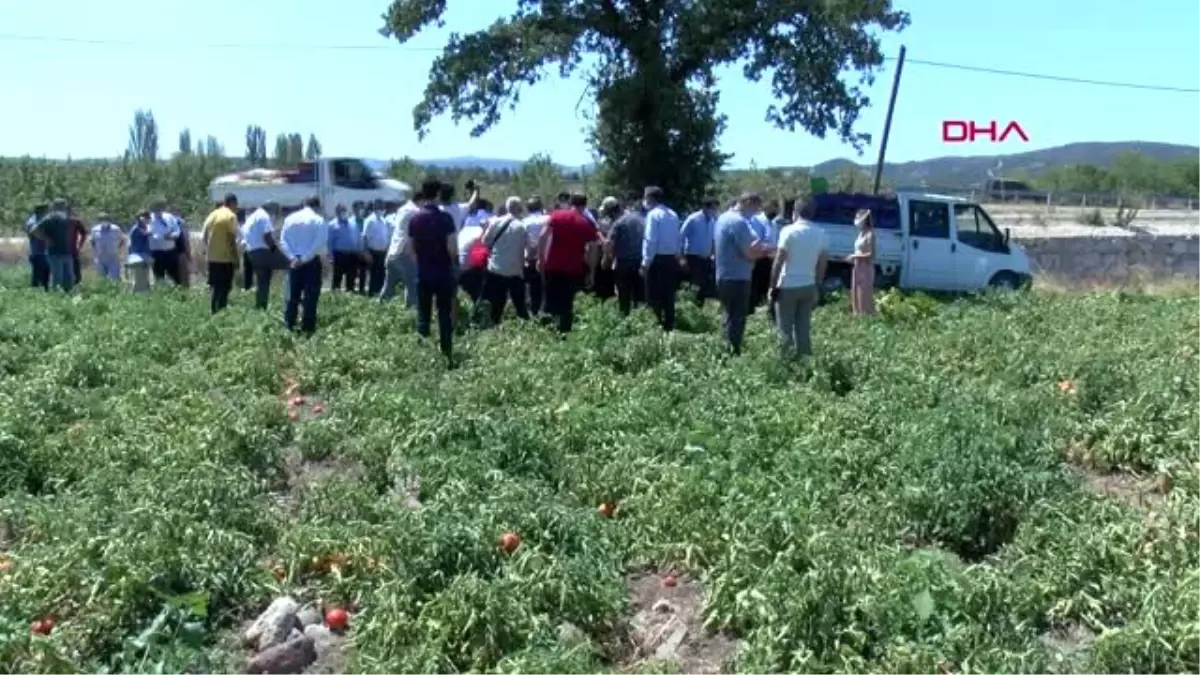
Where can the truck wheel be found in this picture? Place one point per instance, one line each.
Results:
(1006, 281)
(835, 283)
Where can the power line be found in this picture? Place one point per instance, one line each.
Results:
(167, 44)
(1054, 78)
(12, 37)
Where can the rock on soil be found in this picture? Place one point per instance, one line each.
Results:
(288, 638)
(292, 656)
(274, 626)
(668, 625)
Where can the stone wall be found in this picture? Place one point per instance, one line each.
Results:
(1116, 257)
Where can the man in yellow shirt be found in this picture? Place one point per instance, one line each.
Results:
(220, 246)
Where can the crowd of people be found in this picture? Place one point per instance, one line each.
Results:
(637, 250)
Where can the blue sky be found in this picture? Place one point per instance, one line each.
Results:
(359, 101)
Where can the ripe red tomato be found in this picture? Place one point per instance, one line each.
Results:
(296, 400)
(606, 509)
(43, 626)
(337, 619)
(509, 541)
(669, 581)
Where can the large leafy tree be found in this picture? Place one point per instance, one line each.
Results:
(651, 66)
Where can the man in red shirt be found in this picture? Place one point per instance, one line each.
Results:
(562, 258)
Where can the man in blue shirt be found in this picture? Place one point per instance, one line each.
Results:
(660, 257)
(698, 237)
(39, 269)
(346, 248)
(737, 248)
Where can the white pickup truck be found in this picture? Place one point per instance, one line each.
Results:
(335, 181)
(923, 242)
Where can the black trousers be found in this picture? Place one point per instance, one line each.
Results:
(560, 289)
(220, 283)
(247, 271)
(441, 295)
(630, 289)
(77, 268)
(604, 283)
(662, 278)
(345, 270)
(303, 296)
(700, 274)
(533, 281)
(497, 290)
(760, 278)
(471, 281)
(165, 264)
(39, 272)
(377, 269)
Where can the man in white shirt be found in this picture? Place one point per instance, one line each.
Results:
(799, 266)
(534, 222)
(164, 235)
(106, 241)
(470, 278)
(458, 210)
(507, 239)
(377, 235)
(401, 267)
(303, 240)
(261, 250)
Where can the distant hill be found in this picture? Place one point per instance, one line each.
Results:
(939, 171)
(964, 171)
(470, 162)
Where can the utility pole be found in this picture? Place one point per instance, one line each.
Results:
(887, 125)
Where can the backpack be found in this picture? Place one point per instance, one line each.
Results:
(480, 251)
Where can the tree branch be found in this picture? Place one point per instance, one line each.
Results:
(479, 74)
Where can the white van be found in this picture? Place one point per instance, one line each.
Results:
(338, 180)
(923, 242)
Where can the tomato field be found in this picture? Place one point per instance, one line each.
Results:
(997, 484)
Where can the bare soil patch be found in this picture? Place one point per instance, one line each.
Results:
(1069, 641)
(1135, 491)
(667, 624)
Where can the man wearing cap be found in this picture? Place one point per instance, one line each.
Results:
(660, 256)
(623, 252)
(106, 247)
(258, 238)
(698, 244)
(39, 269)
(56, 231)
(534, 221)
(220, 249)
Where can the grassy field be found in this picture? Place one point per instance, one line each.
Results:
(999, 484)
